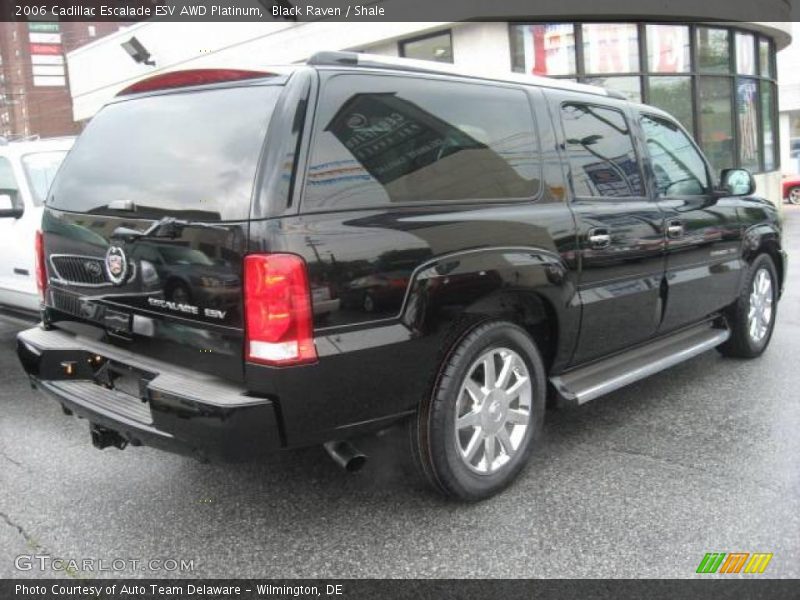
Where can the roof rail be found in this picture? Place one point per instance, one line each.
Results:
(375, 61)
(333, 58)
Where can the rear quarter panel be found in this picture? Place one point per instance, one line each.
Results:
(394, 288)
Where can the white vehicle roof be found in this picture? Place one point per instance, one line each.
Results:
(16, 149)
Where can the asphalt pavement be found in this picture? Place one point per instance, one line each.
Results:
(704, 457)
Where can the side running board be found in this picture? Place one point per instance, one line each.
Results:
(598, 378)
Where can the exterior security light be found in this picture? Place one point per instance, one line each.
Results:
(137, 51)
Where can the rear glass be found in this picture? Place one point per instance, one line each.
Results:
(192, 155)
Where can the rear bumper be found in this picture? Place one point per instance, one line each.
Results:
(176, 409)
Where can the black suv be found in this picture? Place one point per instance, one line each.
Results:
(235, 262)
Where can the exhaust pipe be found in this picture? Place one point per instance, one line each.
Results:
(347, 456)
(103, 438)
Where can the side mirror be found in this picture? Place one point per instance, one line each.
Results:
(737, 182)
(9, 207)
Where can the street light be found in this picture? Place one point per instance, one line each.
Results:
(137, 51)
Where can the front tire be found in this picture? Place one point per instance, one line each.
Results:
(475, 433)
(794, 195)
(752, 317)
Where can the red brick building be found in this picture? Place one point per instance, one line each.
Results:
(34, 86)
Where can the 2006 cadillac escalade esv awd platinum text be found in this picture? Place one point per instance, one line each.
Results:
(233, 262)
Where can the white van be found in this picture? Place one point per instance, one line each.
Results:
(26, 170)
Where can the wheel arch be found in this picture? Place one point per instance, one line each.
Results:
(765, 239)
(528, 309)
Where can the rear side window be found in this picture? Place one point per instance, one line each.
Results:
(397, 140)
(601, 154)
(40, 169)
(7, 179)
(189, 154)
(678, 167)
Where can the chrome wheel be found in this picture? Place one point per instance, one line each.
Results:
(794, 195)
(493, 410)
(759, 316)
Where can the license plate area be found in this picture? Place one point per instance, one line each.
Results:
(123, 378)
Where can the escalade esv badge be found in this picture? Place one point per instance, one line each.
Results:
(116, 265)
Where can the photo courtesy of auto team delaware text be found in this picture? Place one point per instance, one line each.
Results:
(310, 291)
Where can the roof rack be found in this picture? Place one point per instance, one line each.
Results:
(376, 61)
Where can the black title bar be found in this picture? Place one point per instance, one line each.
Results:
(394, 10)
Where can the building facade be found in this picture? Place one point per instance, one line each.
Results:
(34, 90)
(789, 94)
(719, 80)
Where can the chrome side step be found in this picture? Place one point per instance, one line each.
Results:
(599, 378)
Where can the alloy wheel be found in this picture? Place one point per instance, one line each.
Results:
(759, 316)
(493, 410)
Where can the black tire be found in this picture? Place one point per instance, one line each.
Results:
(793, 195)
(434, 434)
(742, 343)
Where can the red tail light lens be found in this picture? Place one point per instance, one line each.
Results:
(41, 273)
(278, 314)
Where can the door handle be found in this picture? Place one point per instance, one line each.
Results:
(674, 229)
(599, 238)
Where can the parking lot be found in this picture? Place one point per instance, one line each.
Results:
(702, 458)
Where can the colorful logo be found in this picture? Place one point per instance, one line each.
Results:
(116, 264)
(734, 562)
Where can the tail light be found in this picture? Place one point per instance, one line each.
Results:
(278, 314)
(41, 272)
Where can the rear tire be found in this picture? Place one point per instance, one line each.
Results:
(794, 195)
(476, 431)
(752, 317)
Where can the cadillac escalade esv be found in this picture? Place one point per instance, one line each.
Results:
(233, 262)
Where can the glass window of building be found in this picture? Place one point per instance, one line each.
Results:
(765, 58)
(713, 50)
(438, 47)
(745, 54)
(630, 87)
(668, 48)
(716, 121)
(670, 93)
(610, 48)
(747, 111)
(717, 81)
(544, 49)
(603, 161)
(767, 124)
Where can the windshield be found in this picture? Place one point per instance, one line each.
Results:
(40, 169)
(191, 155)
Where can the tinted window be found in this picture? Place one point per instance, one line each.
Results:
(382, 140)
(601, 154)
(678, 167)
(191, 153)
